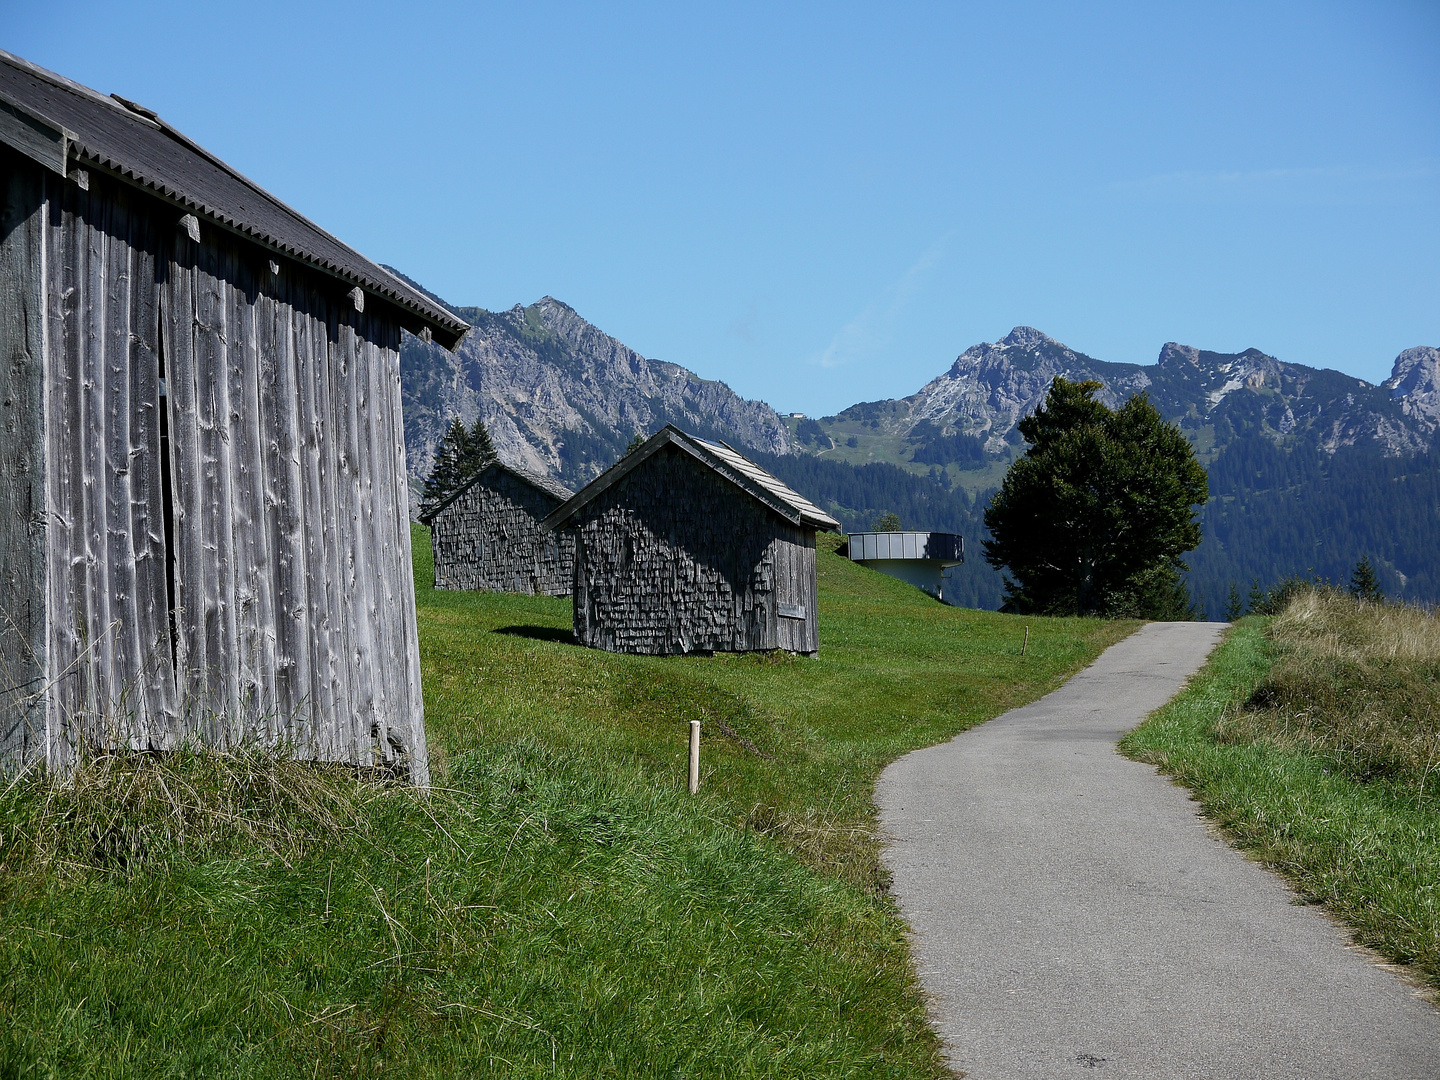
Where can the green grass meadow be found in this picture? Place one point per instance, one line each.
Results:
(1308, 739)
(557, 905)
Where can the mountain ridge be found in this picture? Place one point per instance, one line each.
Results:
(991, 386)
(560, 396)
(1310, 468)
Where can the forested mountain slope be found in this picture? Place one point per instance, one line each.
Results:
(1275, 513)
(1309, 468)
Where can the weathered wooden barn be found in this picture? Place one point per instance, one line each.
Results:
(203, 504)
(685, 545)
(487, 535)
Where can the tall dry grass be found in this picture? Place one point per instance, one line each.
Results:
(1355, 682)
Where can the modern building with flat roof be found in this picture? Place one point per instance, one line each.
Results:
(920, 558)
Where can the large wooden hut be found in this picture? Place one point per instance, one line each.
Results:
(686, 545)
(487, 535)
(203, 502)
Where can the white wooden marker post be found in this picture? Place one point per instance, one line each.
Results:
(694, 756)
(1026, 643)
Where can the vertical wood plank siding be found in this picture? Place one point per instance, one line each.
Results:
(675, 559)
(490, 539)
(293, 589)
(22, 461)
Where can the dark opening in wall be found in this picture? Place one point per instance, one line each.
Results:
(167, 502)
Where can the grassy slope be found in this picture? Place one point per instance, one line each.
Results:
(1368, 850)
(559, 906)
(887, 444)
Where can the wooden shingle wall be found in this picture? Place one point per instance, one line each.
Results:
(489, 539)
(283, 562)
(674, 559)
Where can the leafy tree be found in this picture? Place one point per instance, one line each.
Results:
(461, 453)
(886, 522)
(1364, 585)
(1094, 517)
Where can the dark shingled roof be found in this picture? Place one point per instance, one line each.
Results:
(722, 459)
(556, 490)
(132, 142)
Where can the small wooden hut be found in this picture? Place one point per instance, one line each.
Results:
(487, 535)
(686, 545)
(203, 503)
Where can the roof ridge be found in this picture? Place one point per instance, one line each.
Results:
(546, 484)
(801, 511)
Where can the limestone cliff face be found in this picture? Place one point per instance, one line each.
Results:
(1415, 383)
(563, 398)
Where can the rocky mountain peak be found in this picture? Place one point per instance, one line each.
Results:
(1214, 396)
(1027, 336)
(1415, 370)
(1415, 378)
(561, 397)
(990, 387)
(1174, 353)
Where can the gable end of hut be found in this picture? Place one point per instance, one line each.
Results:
(488, 536)
(675, 557)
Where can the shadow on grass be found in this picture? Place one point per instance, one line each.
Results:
(539, 633)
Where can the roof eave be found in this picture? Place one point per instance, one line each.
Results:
(53, 146)
(794, 514)
(417, 321)
(828, 523)
(497, 463)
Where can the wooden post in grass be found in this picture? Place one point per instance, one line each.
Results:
(694, 756)
(1026, 643)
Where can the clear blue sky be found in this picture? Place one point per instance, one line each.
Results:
(824, 204)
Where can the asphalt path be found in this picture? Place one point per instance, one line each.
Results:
(1072, 911)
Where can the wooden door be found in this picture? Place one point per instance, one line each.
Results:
(794, 589)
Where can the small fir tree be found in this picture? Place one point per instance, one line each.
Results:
(461, 453)
(635, 443)
(1364, 585)
(1234, 606)
(1277, 597)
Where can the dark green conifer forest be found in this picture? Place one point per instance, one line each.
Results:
(1272, 514)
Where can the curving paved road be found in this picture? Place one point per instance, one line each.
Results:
(1072, 911)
